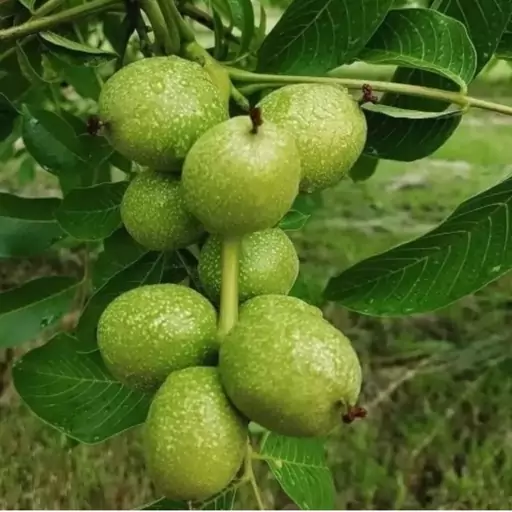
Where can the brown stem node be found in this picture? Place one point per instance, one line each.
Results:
(353, 414)
(256, 119)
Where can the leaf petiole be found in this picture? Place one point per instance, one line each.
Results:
(258, 81)
(251, 478)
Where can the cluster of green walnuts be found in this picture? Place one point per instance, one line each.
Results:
(281, 365)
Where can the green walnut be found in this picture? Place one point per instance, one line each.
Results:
(238, 179)
(194, 439)
(266, 304)
(154, 109)
(268, 265)
(289, 370)
(328, 125)
(153, 212)
(149, 332)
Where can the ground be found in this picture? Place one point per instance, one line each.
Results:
(436, 386)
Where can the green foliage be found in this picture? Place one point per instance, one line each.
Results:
(27, 225)
(52, 69)
(466, 252)
(308, 40)
(80, 398)
(92, 213)
(37, 304)
(300, 467)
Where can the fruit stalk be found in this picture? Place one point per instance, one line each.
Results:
(163, 40)
(206, 20)
(38, 24)
(173, 31)
(251, 477)
(259, 81)
(229, 286)
(186, 33)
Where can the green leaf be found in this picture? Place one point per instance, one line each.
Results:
(364, 168)
(309, 289)
(261, 31)
(301, 212)
(314, 36)
(246, 13)
(299, 466)
(120, 162)
(165, 504)
(405, 139)
(82, 78)
(119, 252)
(98, 153)
(92, 213)
(118, 29)
(8, 115)
(53, 145)
(504, 50)
(225, 500)
(470, 249)
(423, 38)
(29, 4)
(27, 225)
(8, 9)
(30, 64)
(231, 10)
(485, 22)
(75, 53)
(13, 84)
(26, 171)
(147, 270)
(37, 304)
(75, 393)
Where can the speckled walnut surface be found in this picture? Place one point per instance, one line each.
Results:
(156, 108)
(149, 331)
(153, 212)
(288, 369)
(268, 265)
(328, 125)
(195, 440)
(236, 182)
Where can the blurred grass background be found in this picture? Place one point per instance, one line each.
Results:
(436, 386)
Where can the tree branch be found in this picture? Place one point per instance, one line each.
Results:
(36, 24)
(206, 20)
